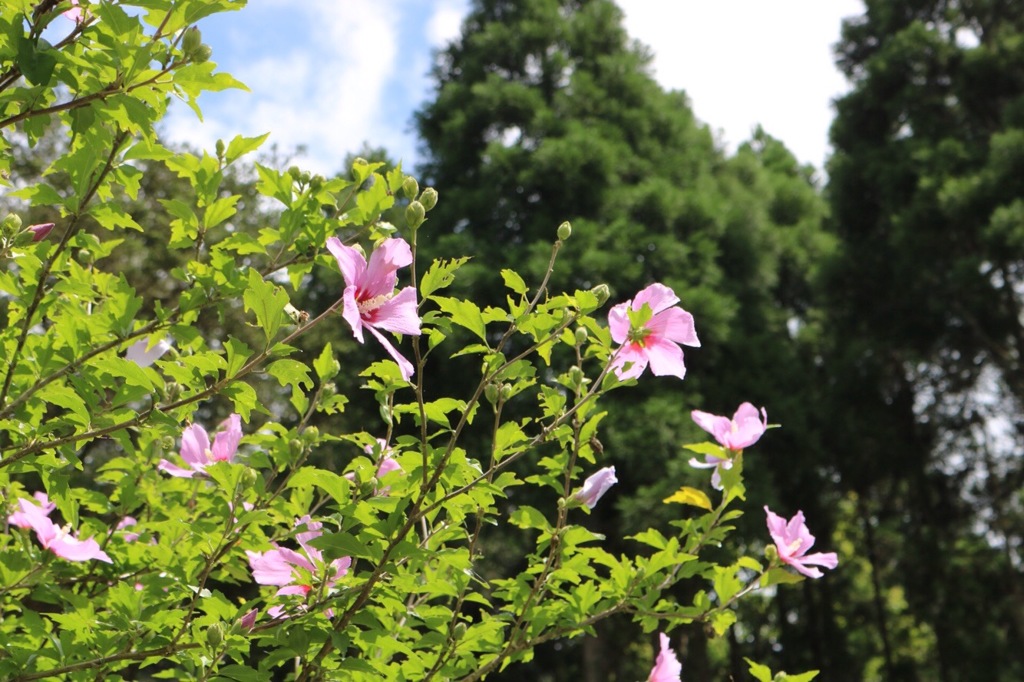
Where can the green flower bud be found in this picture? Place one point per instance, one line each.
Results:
(506, 392)
(581, 335)
(491, 393)
(167, 443)
(219, 147)
(202, 54)
(11, 225)
(84, 257)
(295, 173)
(410, 187)
(295, 445)
(248, 478)
(215, 635)
(414, 214)
(575, 376)
(173, 390)
(459, 631)
(192, 40)
(564, 231)
(602, 292)
(771, 553)
(429, 198)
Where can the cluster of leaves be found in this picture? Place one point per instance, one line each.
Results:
(88, 426)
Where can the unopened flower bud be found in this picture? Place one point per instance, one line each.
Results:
(602, 293)
(248, 478)
(219, 147)
(11, 224)
(581, 335)
(575, 376)
(40, 231)
(202, 54)
(564, 231)
(459, 631)
(173, 390)
(410, 187)
(505, 393)
(192, 40)
(771, 553)
(414, 214)
(294, 172)
(247, 622)
(491, 393)
(429, 198)
(84, 257)
(295, 445)
(167, 443)
(215, 635)
(311, 434)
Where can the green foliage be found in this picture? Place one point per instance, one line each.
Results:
(284, 548)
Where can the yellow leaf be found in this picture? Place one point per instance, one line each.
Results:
(691, 496)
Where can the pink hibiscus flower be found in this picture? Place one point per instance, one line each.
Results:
(144, 354)
(793, 539)
(197, 452)
(370, 300)
(743, 430)
(60, 541)
(656, 341)
(667, 667)
(297, 572)
(596, 485)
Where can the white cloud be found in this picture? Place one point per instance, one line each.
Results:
(744, 62)
(446, 22)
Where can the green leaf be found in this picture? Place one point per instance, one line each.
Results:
(514, 282)
(219, 211)
(526, 516)
(439, 275)
(326, 366)
(761, 673)
(35, 60)
(238, 353)
(240, 146)
(290, 373)
(267, 301)
(346, 544)
(465, 314)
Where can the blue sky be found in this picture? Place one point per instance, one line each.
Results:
(333, 74)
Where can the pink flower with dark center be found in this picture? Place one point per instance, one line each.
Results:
(370, 300)
(596, 485)
(60, 541)
(667, 667)
(654, 342)
(792, 540)
(743, 430)
(40, 231)
(144, 354)
(297, 572)
(197, 452)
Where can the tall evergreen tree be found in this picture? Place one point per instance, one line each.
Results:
(546, 110)
(927, 191)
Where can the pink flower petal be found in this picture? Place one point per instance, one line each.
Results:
(397, 315)
(596, 485)
(380, 277)
(667, 667)
(676, 325)
(350, 261)
(175, 470)
(665, 357)
(618, 322)
(195, 444)
(404, 366)
(225, 444)
(658, 297)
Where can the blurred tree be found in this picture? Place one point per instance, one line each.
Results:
(926, 298)
(546, 111)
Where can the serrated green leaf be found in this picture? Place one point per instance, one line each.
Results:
(326, 366)
(465, 314)
(240, 146)
(439, 275)
(514, 282)
(267, 301)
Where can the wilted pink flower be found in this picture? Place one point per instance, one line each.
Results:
(196, 450)
(40, 231)
(58, 540)
(711, 461)
(744, 429)
(656, 341)
(143, 354)
(596, 485)
(792, 540)
(370, 300)
(295, 572)
(667, 667)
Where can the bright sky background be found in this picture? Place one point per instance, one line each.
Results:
(333, 74)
